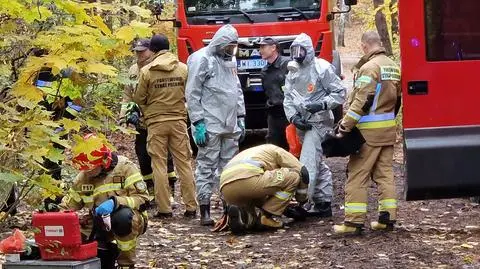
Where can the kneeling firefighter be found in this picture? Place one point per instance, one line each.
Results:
(264, 177)
(112, 188)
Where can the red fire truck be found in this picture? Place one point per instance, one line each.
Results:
(198, 20)
(440, 53)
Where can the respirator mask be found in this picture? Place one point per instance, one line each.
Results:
(229, 51)
(298, 54)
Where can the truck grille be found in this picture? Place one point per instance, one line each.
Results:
(249, 49)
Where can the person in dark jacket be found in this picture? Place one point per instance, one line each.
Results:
(273, 79)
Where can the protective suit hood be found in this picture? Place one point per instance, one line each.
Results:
(224, 36)
(305, 41)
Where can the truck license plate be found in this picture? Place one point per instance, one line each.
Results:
(251, 64)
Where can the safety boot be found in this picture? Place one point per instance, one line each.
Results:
(347, 229)
(205, 219)
(322, 210)
(267, 220)
(190, 214)
(384, 223)
(235, 220)
(160, 215)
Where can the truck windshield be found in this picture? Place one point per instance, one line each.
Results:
(212, 6)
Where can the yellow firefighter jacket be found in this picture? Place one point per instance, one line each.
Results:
(161, 89)
(124, 184)
(373, 99)
(257, 160)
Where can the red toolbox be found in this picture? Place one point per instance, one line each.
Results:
(59, 237)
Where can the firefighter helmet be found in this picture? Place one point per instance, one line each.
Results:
(92, 153)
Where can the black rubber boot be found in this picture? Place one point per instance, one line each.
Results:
(322, 210)
(205, 219)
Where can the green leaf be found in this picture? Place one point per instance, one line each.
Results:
(103, 110)
(26, 103)
(47, 183)
(94, 124)
(126, 130)
(58, 140)
(55, 155)
(28, 92)
(142, 29)
(125, 33)
(98, 22)
(70, 124)
(142, 12)
(36, 154)
(50, 123)
(10, 177)
(73, 8)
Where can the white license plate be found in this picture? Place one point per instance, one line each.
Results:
(251, 64)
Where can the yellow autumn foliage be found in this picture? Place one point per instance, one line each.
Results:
(86, 46)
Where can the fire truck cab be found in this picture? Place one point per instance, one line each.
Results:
(197, 21)
(440, 56)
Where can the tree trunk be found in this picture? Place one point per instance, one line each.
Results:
(341, 25)
(394, 18)
(381, 24)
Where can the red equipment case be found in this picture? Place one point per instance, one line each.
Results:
(59, 237)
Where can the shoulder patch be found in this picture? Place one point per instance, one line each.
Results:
(362, 81)
(390, 73)
(87, 187)
(310, 88)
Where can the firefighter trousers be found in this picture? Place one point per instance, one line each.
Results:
(171, 135)
(270, 191)
(145, 161)
(127, 244)
(370, 163)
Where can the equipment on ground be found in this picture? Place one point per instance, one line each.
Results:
(59, 237)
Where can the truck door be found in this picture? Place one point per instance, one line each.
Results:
(440, 52)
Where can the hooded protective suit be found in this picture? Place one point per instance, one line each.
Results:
(214, 96)
(315, 82)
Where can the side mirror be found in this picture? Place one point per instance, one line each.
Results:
(350, 2)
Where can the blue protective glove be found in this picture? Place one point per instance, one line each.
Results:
(241, 124)
(105, 208)
(200, 135)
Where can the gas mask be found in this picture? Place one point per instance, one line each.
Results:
(298, 54)
(229, 51)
